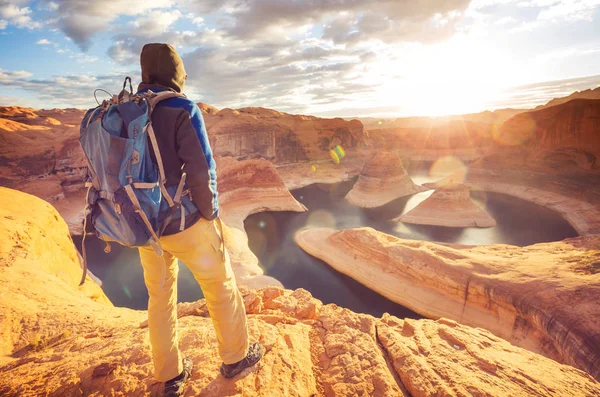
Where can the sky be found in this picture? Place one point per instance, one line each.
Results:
(333, 58)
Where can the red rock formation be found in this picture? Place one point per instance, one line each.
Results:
(543, 297)
(450, 205)
(574, 124)
(60, 339)
(382, 180)
(279, 137)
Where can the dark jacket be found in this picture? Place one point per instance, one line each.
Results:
(184, 147)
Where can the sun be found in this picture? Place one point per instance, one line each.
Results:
(463, 75)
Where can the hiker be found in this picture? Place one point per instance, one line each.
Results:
(184, 147)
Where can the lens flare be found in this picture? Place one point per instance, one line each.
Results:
(321, 218)
(314, 168)
(126, 290)
(337, 154)
(516, 131)
(334, 156)
(262, 224)
(450, 168)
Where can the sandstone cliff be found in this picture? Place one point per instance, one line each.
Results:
(62, 340)
(461, 138)
(548, 157)
(39, 151)
(574, 124)
(279, 137)
(543, 297)
(382, 180)
(247, 187)
(450, 205)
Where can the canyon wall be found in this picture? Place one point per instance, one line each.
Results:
(574, 124)
(542, 297)
(61, 339)
(279, 137)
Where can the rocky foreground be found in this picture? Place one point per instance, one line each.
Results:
(542, 297)
(57, 339)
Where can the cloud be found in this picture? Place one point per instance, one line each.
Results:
(12, 12)
(572, 10)
(43, 42)
(3, 24)
(531, 95)
(155, 22)
(255, 17)
(65, 91)
(81, 20)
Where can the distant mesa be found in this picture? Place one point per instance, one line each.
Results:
(450, 205)
(383, 179)
(585, 94)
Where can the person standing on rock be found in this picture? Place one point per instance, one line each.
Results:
(184, 147)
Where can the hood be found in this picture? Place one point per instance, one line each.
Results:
(162, 65)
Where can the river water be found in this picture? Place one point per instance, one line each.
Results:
(271, 234)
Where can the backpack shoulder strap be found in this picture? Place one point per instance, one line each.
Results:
(153, 99)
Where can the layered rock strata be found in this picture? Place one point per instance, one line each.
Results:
(543, 297)
(247, 187)
(382, 180)
(60, 339)
(450, 205)
(279, 137)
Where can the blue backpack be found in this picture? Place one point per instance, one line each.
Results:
(127, 200)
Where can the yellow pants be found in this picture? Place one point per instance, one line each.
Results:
(199, 247)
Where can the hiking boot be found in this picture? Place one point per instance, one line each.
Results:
(255, 353)
(175, 386)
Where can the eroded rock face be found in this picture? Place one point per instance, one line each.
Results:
(574, 124)
(543, 297)
(39, 151)
(247, 187)
(382, 180)
(450, 205)
(279, 137)
(58, 341)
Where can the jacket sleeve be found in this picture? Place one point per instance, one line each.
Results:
(193, 148)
